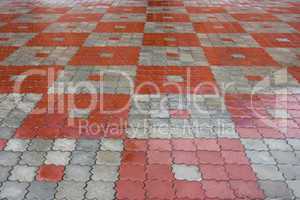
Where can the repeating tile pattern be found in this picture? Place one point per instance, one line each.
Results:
(157, 99)
(177, 116)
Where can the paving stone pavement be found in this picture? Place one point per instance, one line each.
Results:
(149, 99)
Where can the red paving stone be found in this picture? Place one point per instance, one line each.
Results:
(58, 39)
(80, 18)
(54, 121)
(279, 40)
(31, 79)
(210, 9)
(195, 81)
(171, 39)
(51, 173)
(120, 27)
(106, 56)
(6, 51)
(49, 10)
(126, 9)
(2, 144)
(23, 27)
(218, 27)
(8, 17)
(167, 17)
(254, 17)
(239, 56)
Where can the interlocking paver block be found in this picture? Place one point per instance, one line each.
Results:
(13, 190)
(254, 144)
(51, 173)
(6, 132)
(57, 158)
(32, 158)
(280, 145)
(268, 172)
(294, 185)
(290, 172)
(105, 173)
(111, 145)
(16, 145)
(8, 158)
(77, 173)
(22, 173)
(100, 190)
(276, 189)
(41, 190)
(83, 158)
(295, 143)
(185, 172)
(64, 145)
(108, 158)
(70, 190)
(40, 145)
(284, 157)
(87, 145)
(4, 173)
(260, 157)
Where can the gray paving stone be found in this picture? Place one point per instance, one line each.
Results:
(83, 158)
(64, 145)
(100, 190)
(12, 190)
(77, 173)
(4, 173)
(267, 172)
(22, 173)
(16, 145)
(260, 157)
(295, 143)
(290, 172)
(108, 158)
(186, 172)
(57, 158)
(75, 27)
(8, 158)
(297, 153)
(70, 190)
(87, 145)
(111, 145)
(6, 132)
(105, 173)
(32, 158)
(275, 144)
(40, 145)
(276, 189)
(283, 157)
(27, 56)
(295, 187)
(41, 191)
(254, 144)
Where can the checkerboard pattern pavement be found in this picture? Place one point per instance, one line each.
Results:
(193, 99)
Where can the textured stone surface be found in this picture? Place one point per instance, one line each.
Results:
(57, 158)
(13, 190)
(184, 172)
(99, 189)
(70, 190)
(77, 173)
(22, 173)
(41, 190)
